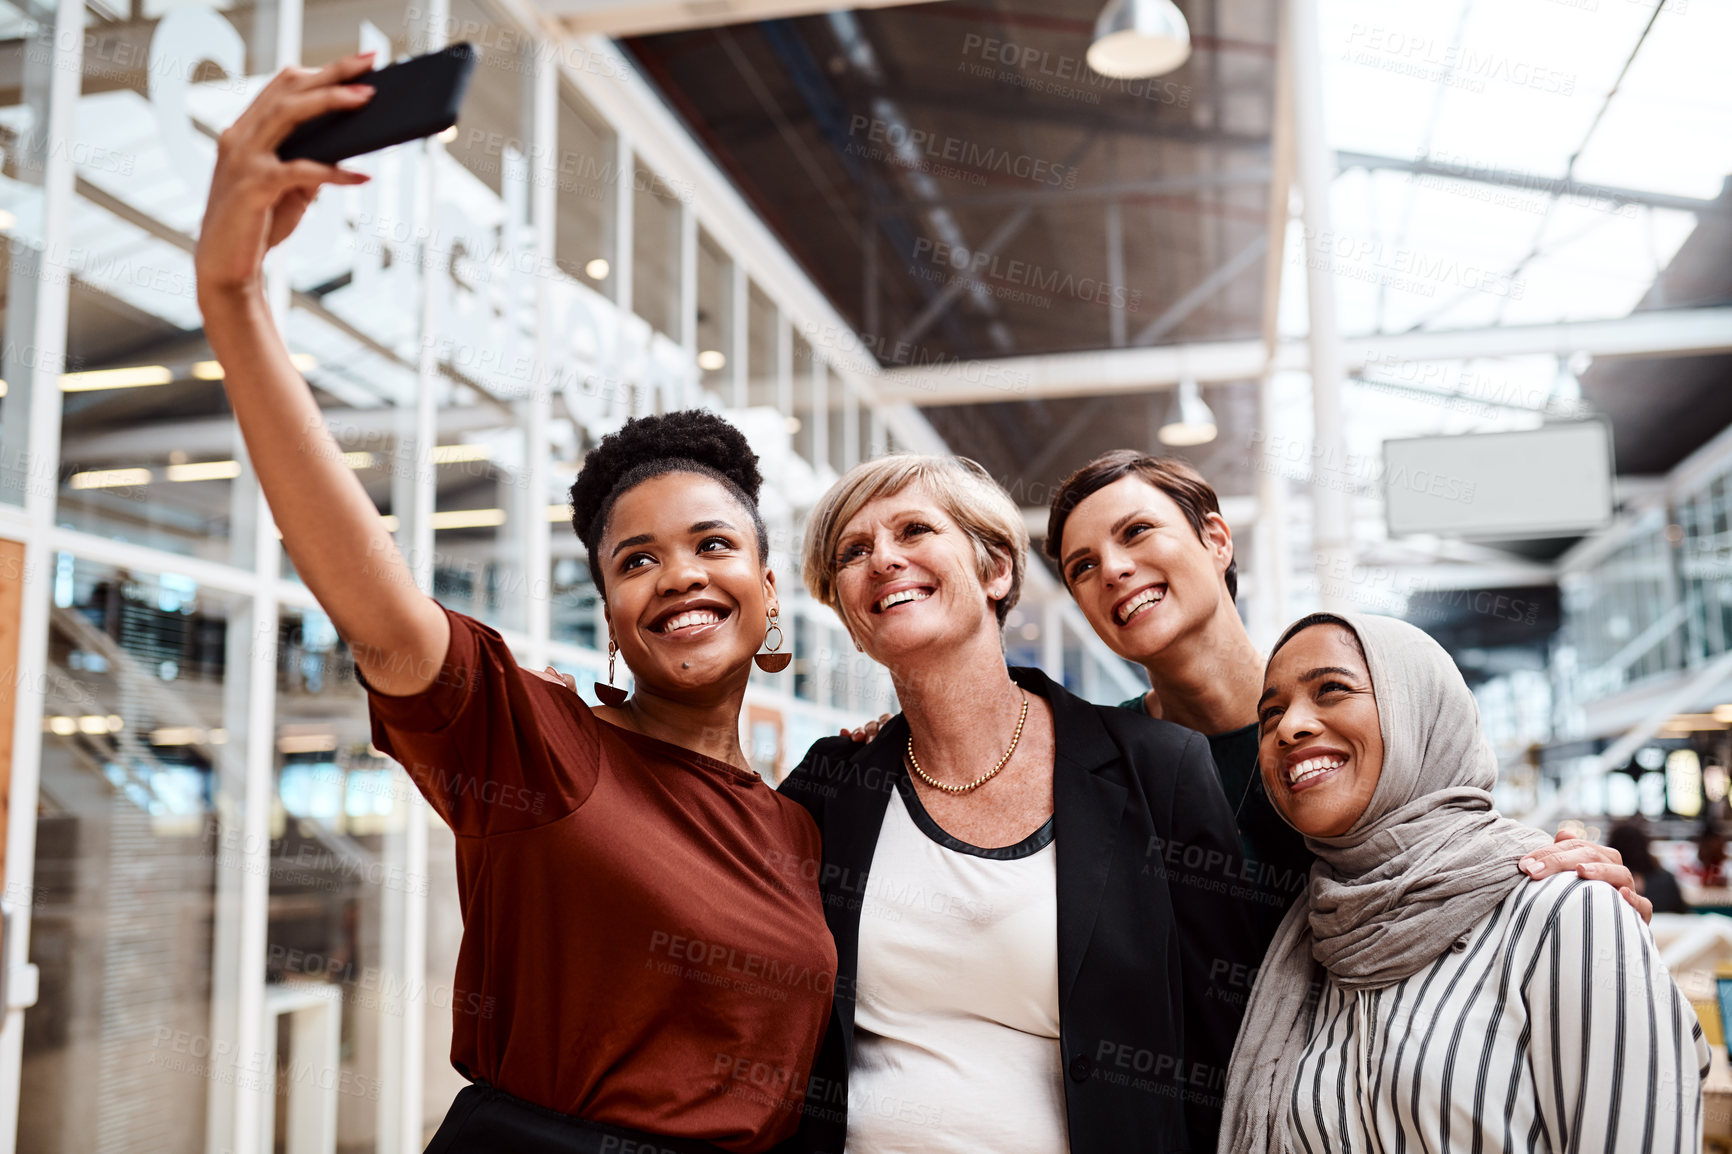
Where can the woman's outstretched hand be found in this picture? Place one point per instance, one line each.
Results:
(558, 678)
(1590, 861)
(256, 200)
(868, 731)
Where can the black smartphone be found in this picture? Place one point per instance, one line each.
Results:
(415, 98)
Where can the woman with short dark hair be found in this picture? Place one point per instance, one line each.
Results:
(1142, 548)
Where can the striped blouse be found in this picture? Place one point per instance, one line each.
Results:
(1551, 1026)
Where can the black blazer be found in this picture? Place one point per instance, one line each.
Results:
(1156, 949)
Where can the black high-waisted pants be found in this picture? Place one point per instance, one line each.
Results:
(487, 1120)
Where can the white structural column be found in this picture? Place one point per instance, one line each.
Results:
(739, 333)
(1052, 639)
(533, 526)
(243, 1079)
(784, 362)
(403, 932)
(1332, 499)
(1270, 602)
(624, 252)
(31, 440)
(820, 418)
(686, 310)
(850, 429)
(254, 1087)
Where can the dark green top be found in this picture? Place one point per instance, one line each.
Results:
(1277, 864)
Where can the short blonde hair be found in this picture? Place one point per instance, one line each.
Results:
(963, 489)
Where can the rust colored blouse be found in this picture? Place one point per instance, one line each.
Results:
(643, 939)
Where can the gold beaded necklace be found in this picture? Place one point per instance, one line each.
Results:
(914, 762)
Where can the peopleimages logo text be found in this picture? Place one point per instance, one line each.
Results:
(965, 153)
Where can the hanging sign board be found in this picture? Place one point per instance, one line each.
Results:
(1554, 481)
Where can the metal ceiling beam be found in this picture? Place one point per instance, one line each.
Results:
(1058, 442)
(1113, 190)
(962, 281)
(619, 18)
(1239, 512)
(1022, 110)
(201, 437)
(1663, 332)
(1222, 276)
(829, 115)
(1531, 182)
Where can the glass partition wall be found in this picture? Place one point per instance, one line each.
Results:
(235, 921)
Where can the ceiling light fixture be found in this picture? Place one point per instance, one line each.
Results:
(1139, 38)
(204, 471)
(457, 454)
(110, 478)
(138, 376)
(596, 269)
(307, 743)
(213, 370)
(468, 518)
(712, 360)
(1189, 421)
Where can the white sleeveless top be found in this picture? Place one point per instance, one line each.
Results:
(956, 1022)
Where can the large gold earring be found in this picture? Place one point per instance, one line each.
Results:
(773, 658)
(610, 694)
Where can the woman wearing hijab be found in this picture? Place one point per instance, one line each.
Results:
(1422, 996)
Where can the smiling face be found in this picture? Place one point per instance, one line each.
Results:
(686, 594)
(1320, 750)
(908, 578)
(1138, 570)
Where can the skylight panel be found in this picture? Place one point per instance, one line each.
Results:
(1669, 128)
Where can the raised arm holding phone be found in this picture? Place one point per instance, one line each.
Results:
(397, 634)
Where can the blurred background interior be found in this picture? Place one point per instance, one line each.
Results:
(1436, 293)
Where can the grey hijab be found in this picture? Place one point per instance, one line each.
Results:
(1426, 862)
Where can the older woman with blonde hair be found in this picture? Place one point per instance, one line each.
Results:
(1032, 896)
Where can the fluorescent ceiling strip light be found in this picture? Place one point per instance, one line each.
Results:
(138, 376)
(468, 518)
(452, 454)
(204, 471)
(213, 370)
(110, 478)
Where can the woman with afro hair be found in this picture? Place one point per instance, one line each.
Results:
(645, 963)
